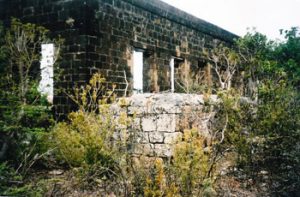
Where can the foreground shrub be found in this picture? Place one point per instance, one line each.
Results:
(12, 183)
(265, 136)
(190, 172)
(278, 133)
(25, 114)
(86, 139)
(93, 140)
(156, 182)
(191, 169)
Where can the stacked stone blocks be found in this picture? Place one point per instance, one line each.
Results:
(100, 36)
(159, 121)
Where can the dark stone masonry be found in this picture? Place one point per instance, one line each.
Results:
(102, 35)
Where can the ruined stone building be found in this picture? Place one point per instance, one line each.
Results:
(147, 44)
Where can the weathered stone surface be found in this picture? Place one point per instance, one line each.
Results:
(143, 149)
(163, 117)
(156, 137)
(163, 150)
(140, 100)
(149, 123)
(136, 110)
(166, 122)
(120, 135)
(182, 122)
(172, 138)
(136, 124)
(142, 137)
(116, 109)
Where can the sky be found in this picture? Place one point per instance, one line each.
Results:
(267, 16)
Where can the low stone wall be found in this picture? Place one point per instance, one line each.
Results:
(159, 120)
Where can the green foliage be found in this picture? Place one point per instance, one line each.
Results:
(7, 174)
(88, 140)
(266, 136)
(264, 132)
(23, 42)
(255, 44)
(11, 183)
(94, 95)
(233, 125)
(156, 184)
(191, 84)
(266, 59)
(275, 130)
(189, 173)
(25, 113)
(288, 55)
(278, 125)
(191, 164)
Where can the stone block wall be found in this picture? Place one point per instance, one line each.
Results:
(159, 120)
(101, 35)
(67, 19)
(160, 30)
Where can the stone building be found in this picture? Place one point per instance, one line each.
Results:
(144, 46)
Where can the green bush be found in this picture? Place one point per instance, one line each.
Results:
(190, 172)
(192, 167)
(93, 139)
(156, 184)
(265, 135)
(86, 139)
(12, 183)
(25, 115)
(278, 125)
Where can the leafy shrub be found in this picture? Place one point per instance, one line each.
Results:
(156, 184)
(265, 135)
(12, 184)
(191, 164)
(25, 115)
(189, 173)
(278, 127)
(88, 139)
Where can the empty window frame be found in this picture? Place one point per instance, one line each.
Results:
(175, 62)
(138, 62)
(46, 65)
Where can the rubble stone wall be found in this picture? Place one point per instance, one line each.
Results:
(159, 120)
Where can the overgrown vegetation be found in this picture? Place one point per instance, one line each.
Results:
(190, 172)
(94, 139)
(25, 114)
(264, 132)
(256, 127)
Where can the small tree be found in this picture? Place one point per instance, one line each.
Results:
(224, 61)
(24, 111)
(23, 42)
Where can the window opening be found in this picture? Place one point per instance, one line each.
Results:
(172, 74)
(175, 63)
(137, 71)
(46, 65)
